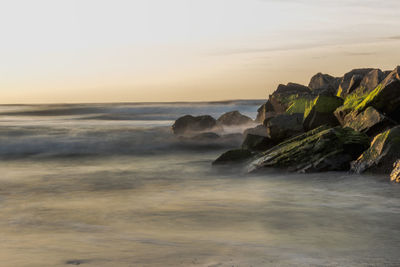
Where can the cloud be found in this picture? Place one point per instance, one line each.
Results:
(396, 37)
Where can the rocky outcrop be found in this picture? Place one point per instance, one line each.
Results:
(322, 149)
(383, 152)
(320, 112)
(282, 98)
(190, 125)
(284, 126)
(234, 156)
(395, 175)
(233, 118)
(385, 97)
(324, 84)
(351, 81)
(370, 121)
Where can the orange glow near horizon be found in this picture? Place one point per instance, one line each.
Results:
(185, 50)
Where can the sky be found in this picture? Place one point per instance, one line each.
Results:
(71, 51)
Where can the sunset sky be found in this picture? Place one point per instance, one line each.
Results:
(185, 50)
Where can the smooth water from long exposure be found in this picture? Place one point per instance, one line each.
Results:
(109, 185)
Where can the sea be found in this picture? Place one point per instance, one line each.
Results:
(110, 185)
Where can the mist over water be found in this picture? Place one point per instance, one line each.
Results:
(109, 185)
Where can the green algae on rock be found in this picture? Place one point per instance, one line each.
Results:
(383, 152)
(321, 149)
(370, 121)
(320, 112)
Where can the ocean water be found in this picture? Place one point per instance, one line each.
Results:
(109, 185)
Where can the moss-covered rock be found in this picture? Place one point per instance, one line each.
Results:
(395, 175)
(284, 96)
(234, 156)
(284, 126)
(370, 121)
(350, 103)
(321, 149)
(351, 81)
(298, 105)
(320, 112)
(383, 152)
(386, 96)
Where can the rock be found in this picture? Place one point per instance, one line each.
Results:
(260, 130)
(385, 97)
(320, 112)
(190, 125)
(282, 98)
(257, 143)
(324, 84)
(395, 175)
(233, 118)
(234, 156)
(351, 80)
(383, 152)
(371, 81)
(370, 121)
(264, 112)
(321, 149)
(284, 126)
(299, 105)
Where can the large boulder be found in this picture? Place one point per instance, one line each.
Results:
(351, 81)
(385, 97)
(283, 96)
(260, 130)
(284, 126)
(234, 118)
(322, 149)
(324, 84)
(190, 125)
(264, 112)
(383, 152)
(234, 156)
(395, 175)
(371, 81)
(370, 121)
(320, 112)
(257, 142)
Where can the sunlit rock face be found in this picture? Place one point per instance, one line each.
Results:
(322, 149)
(383, 152)
(395, 175)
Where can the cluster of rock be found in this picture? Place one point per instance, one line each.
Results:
(333, 124)
(206, 131)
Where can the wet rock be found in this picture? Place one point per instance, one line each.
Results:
(234, 118)
(234, 156)
(380, 156)
(370, 121)
(260, 130)
(257, 142)
(395, 175)
(321, 149)
(284, 126)
(189, 124)
(320, 112)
